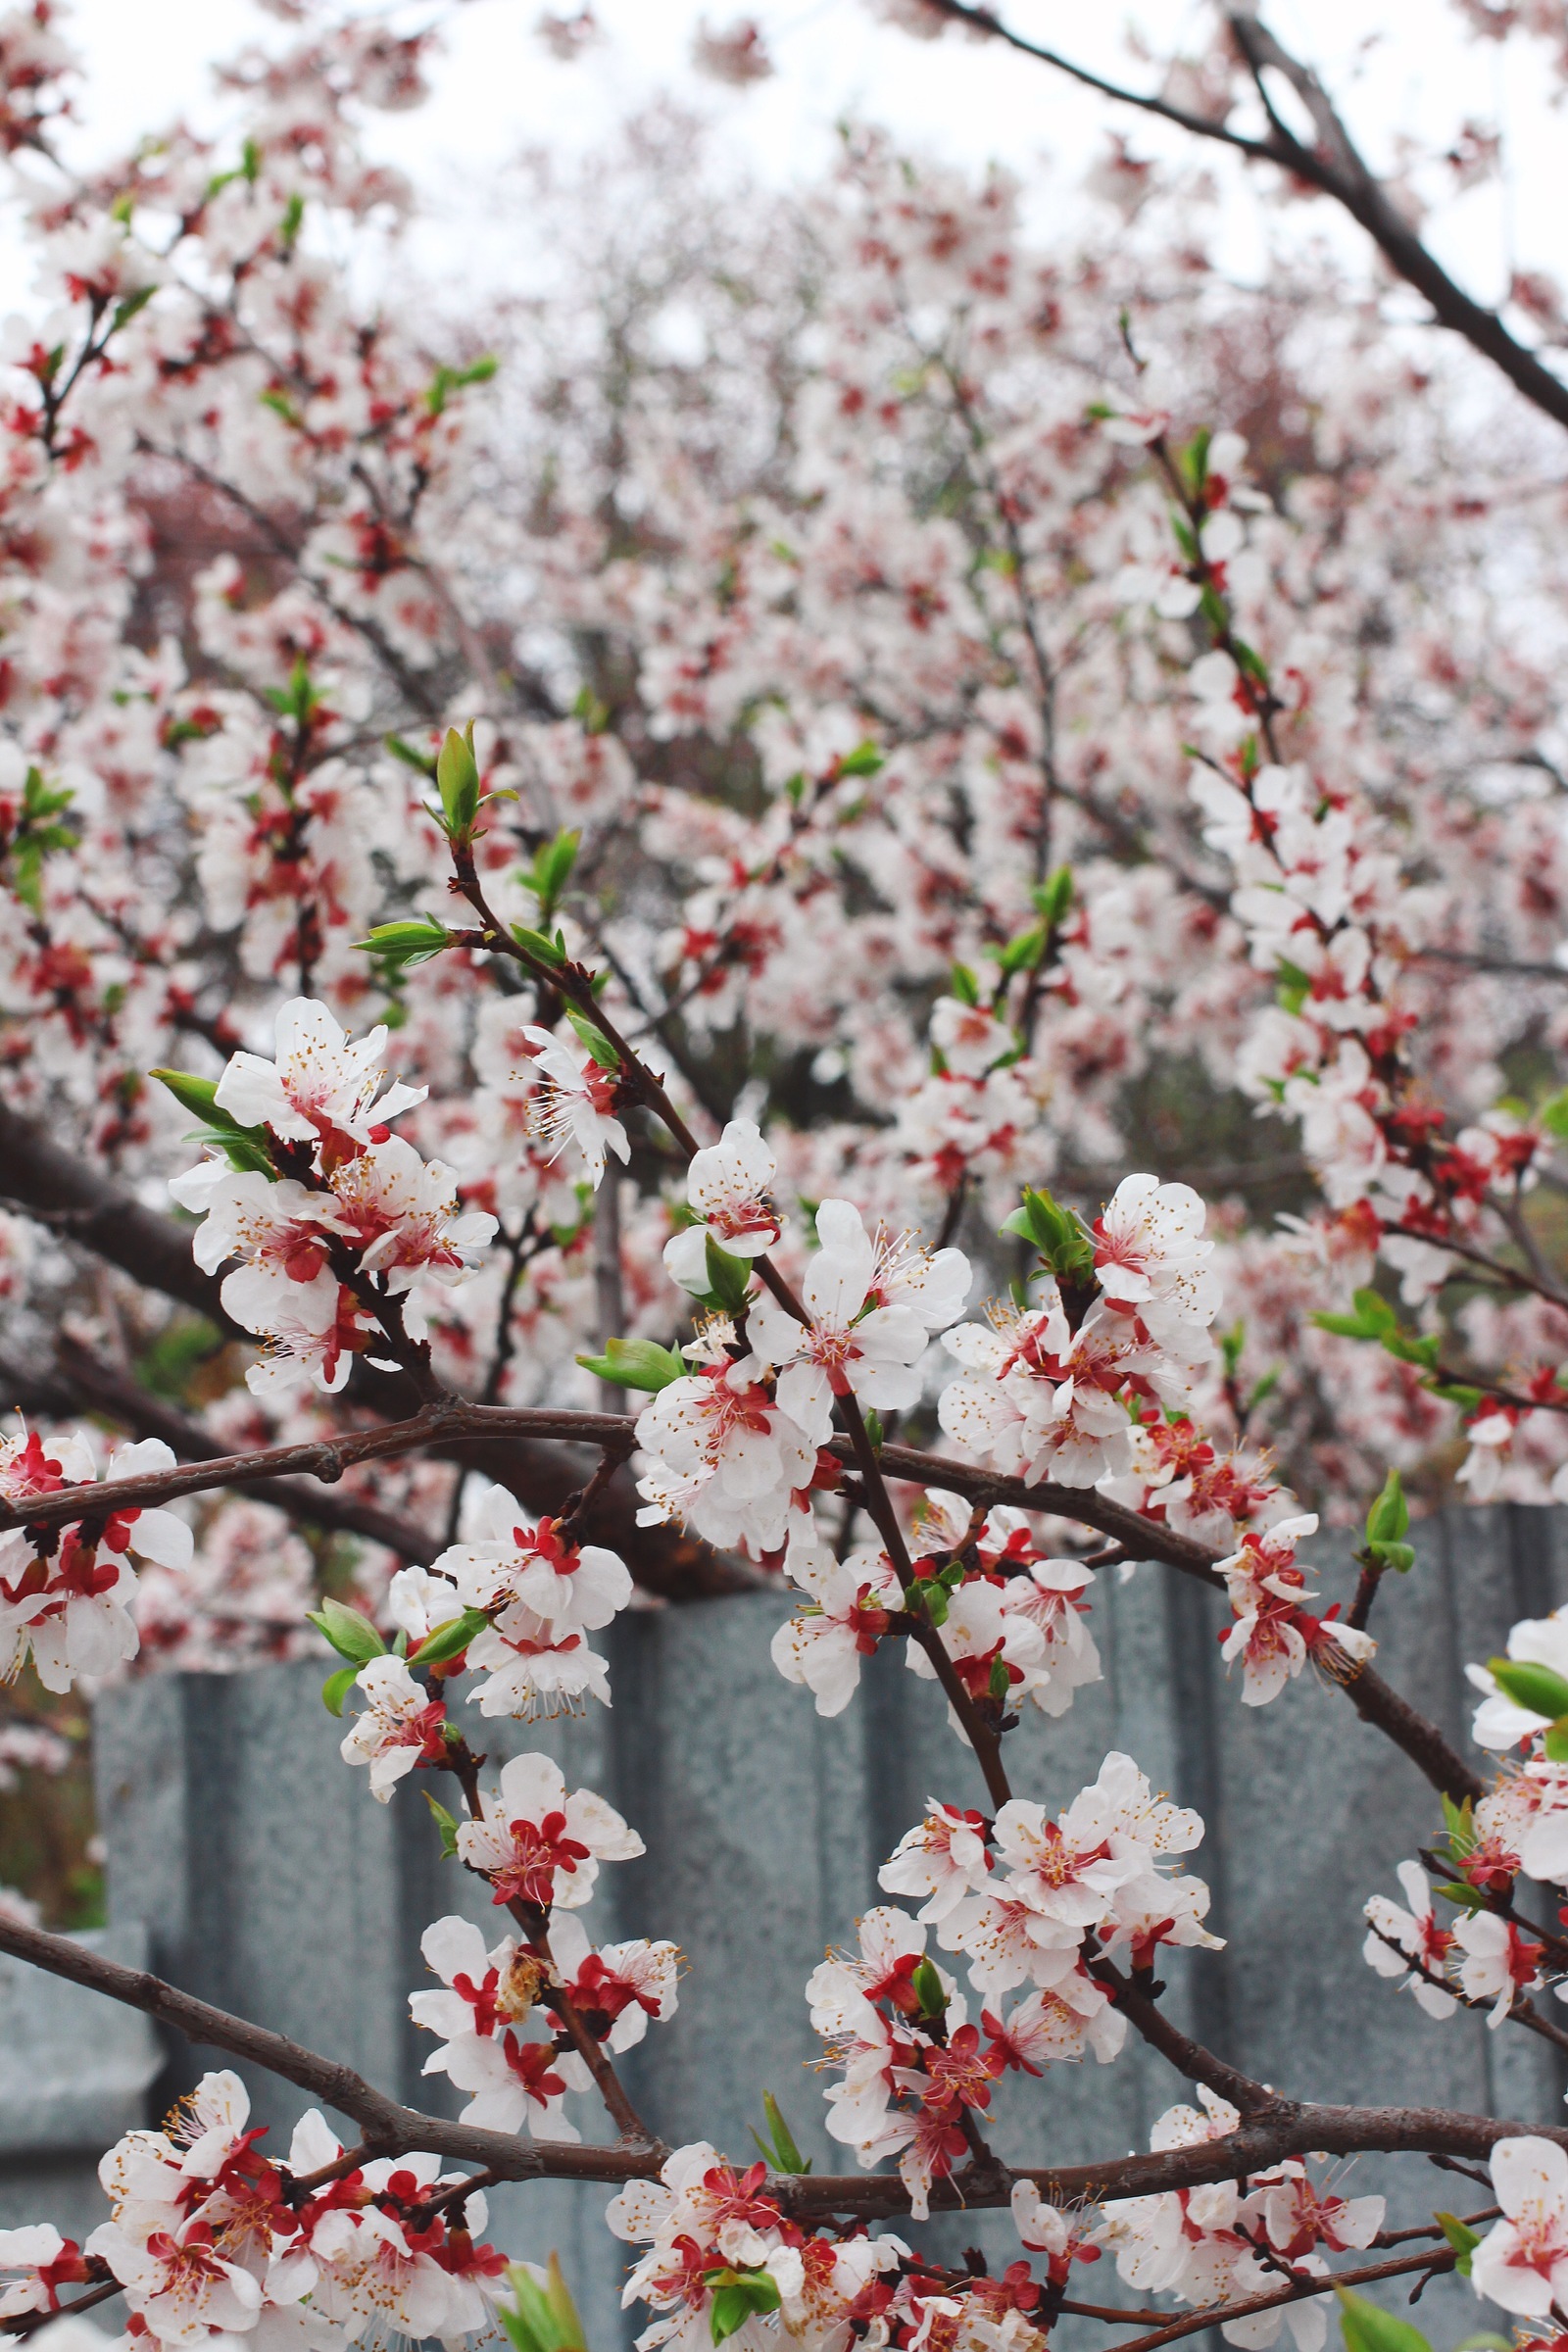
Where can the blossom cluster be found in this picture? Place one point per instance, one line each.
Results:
(209, 2239)
(1486, 1955)
(1231, 2240)
(1026, 1900)
(338, 1214)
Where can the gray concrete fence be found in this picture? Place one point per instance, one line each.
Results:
(253, 1868)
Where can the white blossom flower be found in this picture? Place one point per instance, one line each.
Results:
(728, 1186)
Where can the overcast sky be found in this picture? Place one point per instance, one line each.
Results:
(1401, 66)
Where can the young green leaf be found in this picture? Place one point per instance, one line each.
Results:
(543, 950)
(736, 2295)
(405, 944)
(597, 1043)
(864, 760)
(449, 1640)
(728, 1278)
(336, 1687)
(1367, 2327)
(783, 2154)
(927, 1986)
(448, 1828)
(1390, 1515)
(456, 777)
(1462, 2237)
(636, 1364)
(350, 1632)
(1531, 1685)
(543, 2318)
(1052, 898)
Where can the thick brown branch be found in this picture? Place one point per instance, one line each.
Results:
(389, 2129)
(97, 1388)
(1192, 2323)
(322, 1458)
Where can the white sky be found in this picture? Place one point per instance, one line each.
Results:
(1400, 67)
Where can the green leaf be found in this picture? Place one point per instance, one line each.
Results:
(1461, 1892)
(927, 1986)
(551, 870)
(1021, 955)
(1369, 2327)
(1194, 459)
(1390, 1515)
(1053, 897)
(449, 1640)
(1055, 1233)
(544, 2318)
(783, 2155)
(1462, 2237)
(129, 305)
(543, 950)
(1373, 1317)
(1553, 1116)
(1556, 1743)
(449, 1833)
(864, 760)
(1530, 1685)
(350, 1632)
(737, 2294)
(423, 762)
(594, 1037)
(1459, 1821)
(336, 1687)
(963, 984)
(405, 944)
(728, 1278)
(247, 1149)
(288, 228)
(1401, 1558)
(456, 777)
(636, 1364)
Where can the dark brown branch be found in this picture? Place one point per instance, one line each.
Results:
(457, 1423)
(1210, 2314)
(322, 1457)
(1333, 165)
(97, 1388)
(389, 2129)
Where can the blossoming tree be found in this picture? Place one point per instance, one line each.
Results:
(639, 908)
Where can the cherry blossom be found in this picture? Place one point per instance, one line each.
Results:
(517, 2081)
(844, 1618)
(1410, 1945)
(728, 1186)
(574, 1103)
(515, 1558)
(844, 1348)
(318, 1088)
(401, 1726)
(1521, 2261)
(538, 1846)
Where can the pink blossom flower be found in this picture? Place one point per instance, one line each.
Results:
(539, 1845)
(843, 1347)
(400, 1728)
(1522, 2262)
(320, 1089)
(729, 1188)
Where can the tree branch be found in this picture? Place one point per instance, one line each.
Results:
(1335, 168)
(390, 2128)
